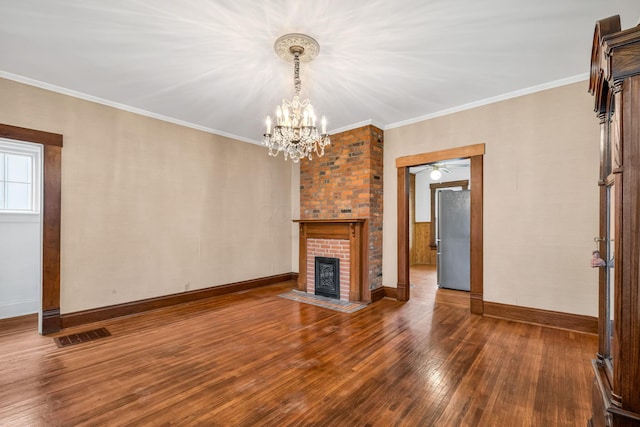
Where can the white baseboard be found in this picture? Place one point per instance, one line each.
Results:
(18, 308)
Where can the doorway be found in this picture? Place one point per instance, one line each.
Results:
(439, 224)
(49, 318)
(20, 228)
(476, 154)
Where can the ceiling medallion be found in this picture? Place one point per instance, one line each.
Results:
(310, 47)
(295, 132)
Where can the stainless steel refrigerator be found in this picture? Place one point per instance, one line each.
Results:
(453, 256)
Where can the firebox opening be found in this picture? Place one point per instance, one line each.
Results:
(327, 277)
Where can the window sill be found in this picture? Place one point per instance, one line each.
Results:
(16, 216)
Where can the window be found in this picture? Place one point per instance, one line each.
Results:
(19, 177)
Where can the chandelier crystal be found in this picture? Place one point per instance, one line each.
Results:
(294, 132)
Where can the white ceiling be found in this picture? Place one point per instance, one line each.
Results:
(211, 64)
(458, 164)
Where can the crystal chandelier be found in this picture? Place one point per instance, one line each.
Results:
(294, 132)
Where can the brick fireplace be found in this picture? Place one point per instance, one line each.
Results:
(342, 239)
(343, 190)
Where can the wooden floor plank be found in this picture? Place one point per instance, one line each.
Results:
(255, 359)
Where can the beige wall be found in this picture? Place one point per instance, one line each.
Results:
(540, 194)
(150, 208)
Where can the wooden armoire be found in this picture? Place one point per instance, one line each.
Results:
(615, 83)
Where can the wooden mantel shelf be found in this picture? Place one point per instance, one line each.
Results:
(355, 230)
(332, 220)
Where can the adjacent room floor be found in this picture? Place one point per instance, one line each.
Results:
(255, 359)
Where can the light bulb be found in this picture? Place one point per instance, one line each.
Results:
(435, 174)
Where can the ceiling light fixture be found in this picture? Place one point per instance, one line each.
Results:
(435, 174)
(295, 132)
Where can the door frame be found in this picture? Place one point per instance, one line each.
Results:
(51, 206)
(476, 154)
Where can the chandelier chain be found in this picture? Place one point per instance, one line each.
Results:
(297, 83)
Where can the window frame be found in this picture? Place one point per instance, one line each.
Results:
(34, 152)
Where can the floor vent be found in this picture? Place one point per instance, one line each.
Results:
(81, 337)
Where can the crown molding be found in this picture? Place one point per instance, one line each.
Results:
(494, 99)
(355, 126)
(480, 103)
(97, 100)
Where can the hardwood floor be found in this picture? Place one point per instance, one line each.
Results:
(254, 359)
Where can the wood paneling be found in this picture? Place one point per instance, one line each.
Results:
(135, 307)
(436, 156)
(422, 252)
(51, 177)
(555, 319)
(255, 359)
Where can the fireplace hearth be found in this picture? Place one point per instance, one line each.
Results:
(327, 277)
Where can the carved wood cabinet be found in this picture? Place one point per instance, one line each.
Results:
(615, 83)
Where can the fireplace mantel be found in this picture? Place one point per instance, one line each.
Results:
(352, 229)
(331, 220)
